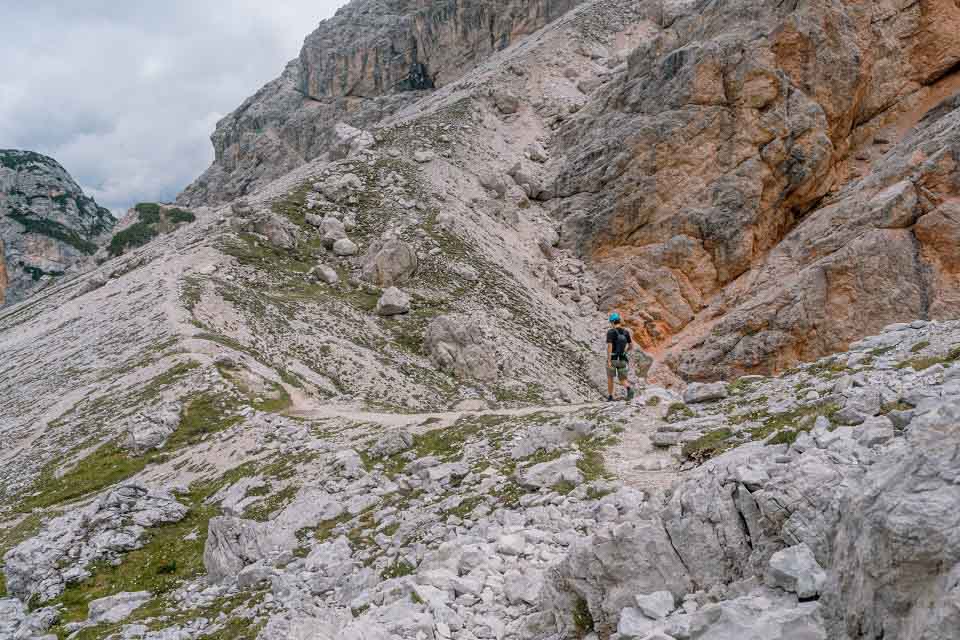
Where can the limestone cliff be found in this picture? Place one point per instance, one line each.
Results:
(750, 185)
(372, 58)
(47, 224)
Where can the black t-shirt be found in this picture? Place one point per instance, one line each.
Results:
(612, 339)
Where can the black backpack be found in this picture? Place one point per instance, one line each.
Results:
(620, 346)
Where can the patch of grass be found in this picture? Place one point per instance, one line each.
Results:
(173, 553)
(447, 443)
(262, 509)
(563, 487)
(398, 569)
(591, 463)
(678, 412)
(799, 419)
(594, 493)
(920, 346)
(203, 416)
(785, 436)
(105, 466)
(653, 401)
(466, 506)
(709, 445)
(827, 369)
(236, 629)
(740, 386)
(920, 364)
(582, 618)
(876, 352)
(899, 405)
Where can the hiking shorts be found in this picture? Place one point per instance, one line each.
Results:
(618, 370)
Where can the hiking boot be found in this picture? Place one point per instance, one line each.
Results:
(629, 394)
(609, 398)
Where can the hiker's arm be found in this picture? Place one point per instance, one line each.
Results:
(609, 352)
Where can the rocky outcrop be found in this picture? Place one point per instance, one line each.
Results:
(739, 179)
(372, 58)
(40, 568)
(48, 227)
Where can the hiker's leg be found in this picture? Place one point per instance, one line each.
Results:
(609, 383)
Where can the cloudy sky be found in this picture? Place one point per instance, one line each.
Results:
(125, 93)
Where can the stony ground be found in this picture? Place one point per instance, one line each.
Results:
(362, 402)
(734, 510)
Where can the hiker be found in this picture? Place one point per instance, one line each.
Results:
(618, 344)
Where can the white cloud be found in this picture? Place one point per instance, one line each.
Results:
(126, 94)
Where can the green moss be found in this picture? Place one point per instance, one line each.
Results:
(709, 445)
(653, 401)
(398, 569)
(678, 412)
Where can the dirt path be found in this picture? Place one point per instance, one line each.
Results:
(633, 461)
(304, 406)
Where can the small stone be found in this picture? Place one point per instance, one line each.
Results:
(656, 605)
(511, 545)
(393, 302)
(344, 247)
(795, 569)
(698, 392)
(423, 156)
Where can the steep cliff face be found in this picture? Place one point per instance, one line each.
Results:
(703, 181)
(47, 224)
(358, 67)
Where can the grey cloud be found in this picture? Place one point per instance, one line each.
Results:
(126, 94)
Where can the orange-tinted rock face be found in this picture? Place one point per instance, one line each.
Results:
(724, 189)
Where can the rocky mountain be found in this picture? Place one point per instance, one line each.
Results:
(48, 227)
(360, 401)
(372, 58)
(751, 182)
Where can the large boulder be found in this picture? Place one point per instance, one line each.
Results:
(390, 263)
(896, 558)
(457, 344)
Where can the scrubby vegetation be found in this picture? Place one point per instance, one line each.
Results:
(152, 220)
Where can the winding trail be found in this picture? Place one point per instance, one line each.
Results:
(634, 461)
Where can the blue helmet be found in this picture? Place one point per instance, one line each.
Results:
(614, 317)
